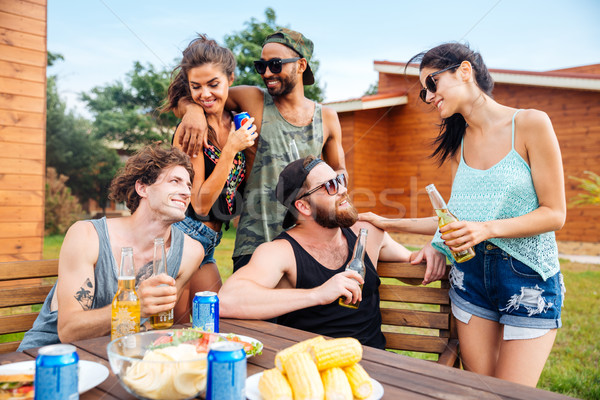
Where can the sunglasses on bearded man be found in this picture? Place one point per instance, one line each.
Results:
(332, 186)
(274, 64)
(430, 83)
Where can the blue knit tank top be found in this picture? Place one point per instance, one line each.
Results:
(503, 191)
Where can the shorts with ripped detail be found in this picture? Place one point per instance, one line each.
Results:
(496, 286)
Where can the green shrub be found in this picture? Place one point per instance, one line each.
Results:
(62, 208)
(591, 187)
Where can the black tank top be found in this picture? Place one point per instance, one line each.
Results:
(332, 319)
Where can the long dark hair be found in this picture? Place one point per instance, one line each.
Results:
(200, 51)
(452, 129)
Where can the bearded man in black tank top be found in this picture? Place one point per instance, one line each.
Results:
(299, 276)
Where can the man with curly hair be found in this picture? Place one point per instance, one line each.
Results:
(155, 184)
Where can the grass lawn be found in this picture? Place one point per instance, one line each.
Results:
(573, 367)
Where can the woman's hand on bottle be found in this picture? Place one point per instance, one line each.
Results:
(157, 294)
(242, 138)
(461, 235)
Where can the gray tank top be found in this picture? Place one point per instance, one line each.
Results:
(44, 330)
(262, 214)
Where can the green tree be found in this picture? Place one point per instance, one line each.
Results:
(373, 88)
(126, 113)
(73, 152)
(247, 46)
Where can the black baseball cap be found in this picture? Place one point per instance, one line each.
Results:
(290, 182)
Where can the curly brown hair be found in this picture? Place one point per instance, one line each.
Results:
(145, 166)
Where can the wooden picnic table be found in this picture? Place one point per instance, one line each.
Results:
(402, 377)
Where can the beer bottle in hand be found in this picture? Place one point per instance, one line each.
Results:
(162, 320)
(357, 263)
(125, 313)
(444, 218)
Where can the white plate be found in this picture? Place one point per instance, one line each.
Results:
(91, 374)
(252, 392)
(248, 339)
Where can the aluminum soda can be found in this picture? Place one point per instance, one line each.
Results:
(226, 378)
(240, 119)
(56, 373)
(205, 311)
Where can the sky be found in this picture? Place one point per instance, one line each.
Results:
(101, 39)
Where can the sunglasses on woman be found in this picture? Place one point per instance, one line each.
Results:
(430, 83)
(274, 64)
(332, 186)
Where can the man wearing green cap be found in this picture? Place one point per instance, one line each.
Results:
(290, 126)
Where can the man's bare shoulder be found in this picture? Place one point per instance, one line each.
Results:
(274, 254)
(375, 234)
(329, 114)
(82, 231)
(80, 246)
(245, 94)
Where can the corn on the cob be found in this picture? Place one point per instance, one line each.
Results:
(336, 353)
(304, 377)
(359, 380)
(300, 346)
(273, 386)
(336, 384)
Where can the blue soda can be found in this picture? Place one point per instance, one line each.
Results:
(226, 379)
(56, 373)
(205, 311)
(240, 119)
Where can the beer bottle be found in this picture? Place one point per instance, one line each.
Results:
(162, 320)
(357, 263)
(444, 218)
(125, 313)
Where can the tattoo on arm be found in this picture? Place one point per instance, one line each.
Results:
(144, 273)
(85, 295)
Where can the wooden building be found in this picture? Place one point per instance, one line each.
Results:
(387, 138)
(22, 128)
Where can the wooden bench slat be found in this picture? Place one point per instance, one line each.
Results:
(403, 270)
(410, 342)
(23, 283)
(415, 318)
(9, 347)
(23, 296)
(17, 323)
(28, 269)
(410, 294)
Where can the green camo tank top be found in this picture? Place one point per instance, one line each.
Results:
(279, 144)
(503, 191)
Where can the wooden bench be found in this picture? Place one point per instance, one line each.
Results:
(406, 303)
(22, 284)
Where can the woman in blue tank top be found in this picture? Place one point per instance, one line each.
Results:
(508, 193)
(204, 75)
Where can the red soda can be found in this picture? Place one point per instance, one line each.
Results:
(240, 119)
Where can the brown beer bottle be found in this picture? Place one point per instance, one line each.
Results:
(444, 218)
(357, 263)
(162, 320)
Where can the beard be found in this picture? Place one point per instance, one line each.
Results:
(287, 84)
(336, 218)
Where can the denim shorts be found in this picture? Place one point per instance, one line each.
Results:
(496, 286)
(202, 233)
